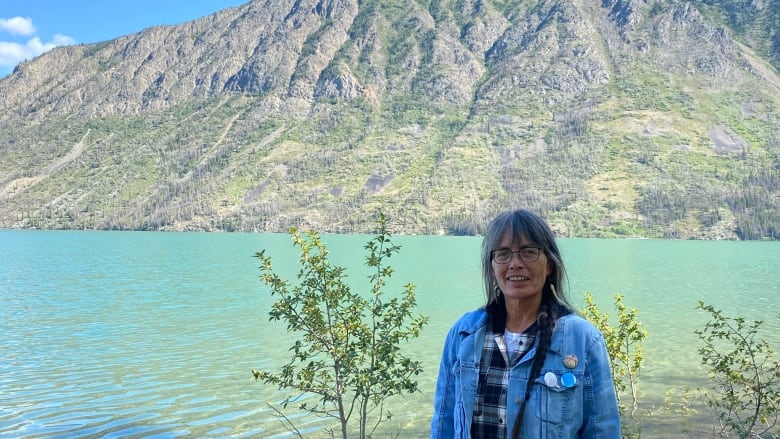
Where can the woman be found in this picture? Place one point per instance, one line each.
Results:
(525, 365)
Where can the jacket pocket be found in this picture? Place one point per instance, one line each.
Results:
(558, 404)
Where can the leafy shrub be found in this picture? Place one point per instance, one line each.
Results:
(348, 349)
(624, 345)
(746, 396)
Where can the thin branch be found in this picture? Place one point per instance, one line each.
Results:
(284, 420)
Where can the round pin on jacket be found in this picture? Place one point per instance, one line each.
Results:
(550, 380)
(568, 380)
(570, 361)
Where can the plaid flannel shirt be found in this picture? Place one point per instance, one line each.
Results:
(489, 420)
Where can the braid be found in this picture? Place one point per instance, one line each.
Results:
(546, 322)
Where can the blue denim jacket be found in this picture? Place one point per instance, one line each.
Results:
(586, 410)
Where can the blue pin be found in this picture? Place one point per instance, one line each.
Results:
(568, 380)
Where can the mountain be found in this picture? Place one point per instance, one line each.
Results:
(618, 118)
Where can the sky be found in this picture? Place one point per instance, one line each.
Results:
(31, 27)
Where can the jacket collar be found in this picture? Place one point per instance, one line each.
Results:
(478, 320)
(473, 321)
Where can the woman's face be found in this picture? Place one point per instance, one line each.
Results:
(519, 279)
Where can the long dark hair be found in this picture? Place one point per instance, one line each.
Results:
(526, 225)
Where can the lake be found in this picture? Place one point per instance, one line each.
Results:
(151, 334)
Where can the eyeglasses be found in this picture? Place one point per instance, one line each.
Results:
(504, 256)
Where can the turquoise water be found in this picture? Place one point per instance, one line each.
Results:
(142, 334)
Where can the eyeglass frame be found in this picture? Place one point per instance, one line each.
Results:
(518, 252)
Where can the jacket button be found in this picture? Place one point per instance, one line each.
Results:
(518, 401)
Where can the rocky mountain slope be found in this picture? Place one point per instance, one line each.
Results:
(628, 118)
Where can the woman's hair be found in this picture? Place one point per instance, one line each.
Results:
(523, 224)
(526, 226)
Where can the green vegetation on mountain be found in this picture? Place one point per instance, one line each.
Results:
(612, 119)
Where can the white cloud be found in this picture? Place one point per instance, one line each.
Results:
(17, 26)
(62, 40)
(12, 53)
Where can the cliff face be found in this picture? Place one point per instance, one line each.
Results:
(252, 49)
(619, 118)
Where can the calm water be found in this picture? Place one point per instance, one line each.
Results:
(125, 334)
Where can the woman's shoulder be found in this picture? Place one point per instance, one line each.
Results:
(574, 334)
(471, 321)
(574, 323)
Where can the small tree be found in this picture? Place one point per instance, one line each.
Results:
(624, 345)
(348, 351)
(747, 395)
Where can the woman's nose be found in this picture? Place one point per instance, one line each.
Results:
(516, 260)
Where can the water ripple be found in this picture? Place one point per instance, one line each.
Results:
(129, 335)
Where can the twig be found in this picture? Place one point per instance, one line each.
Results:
(285, 421)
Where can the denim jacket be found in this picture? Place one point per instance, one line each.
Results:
(588, 409)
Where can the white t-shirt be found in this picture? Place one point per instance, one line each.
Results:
(517, 343)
